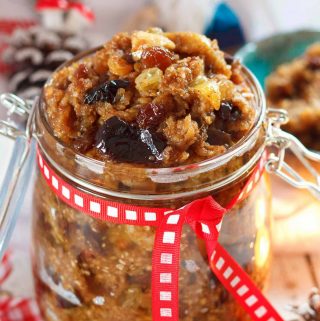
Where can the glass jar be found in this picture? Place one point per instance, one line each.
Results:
(89, 269)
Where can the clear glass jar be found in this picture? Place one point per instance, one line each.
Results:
(88, 269)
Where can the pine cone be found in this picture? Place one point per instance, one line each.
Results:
(309, 311)
(34, 54)
(314, 301)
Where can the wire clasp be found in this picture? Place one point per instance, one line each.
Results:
(280, 142)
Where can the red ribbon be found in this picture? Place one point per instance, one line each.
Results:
(205, 218)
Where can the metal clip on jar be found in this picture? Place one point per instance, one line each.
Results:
(85, 268)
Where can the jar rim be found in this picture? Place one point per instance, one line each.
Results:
(195, 168)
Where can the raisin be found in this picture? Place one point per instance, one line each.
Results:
(128, 58)
(225, 109)
(228, 111)
(156, 57)
(229, 58)
(127, 143)
(151, 115)
(235, 114)
(82, 71)
(218, 137)
(105, 92)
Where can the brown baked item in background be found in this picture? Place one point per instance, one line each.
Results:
(295, 86)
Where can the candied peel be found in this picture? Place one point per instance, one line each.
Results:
(176, 85)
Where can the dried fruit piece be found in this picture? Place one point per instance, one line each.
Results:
(151, 115)
(228, 111)
(191, 43)
(208, 92)
(128, 57)
(148, 82)
(82, 71)
(142, 40)
(218, 137)
(156, 57)
(105, 92)
(225, 110)
(127, 143)
(119, 66)
(226, 88)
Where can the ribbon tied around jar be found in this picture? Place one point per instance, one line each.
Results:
(203, 215)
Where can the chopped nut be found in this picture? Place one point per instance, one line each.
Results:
(148, 82)
(142, 40)
(181, 133)
(119, 66)
(208, 92)
(194, 44)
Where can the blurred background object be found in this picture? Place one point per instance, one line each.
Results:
(32, 54)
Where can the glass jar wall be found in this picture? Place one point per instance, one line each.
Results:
(88, 269)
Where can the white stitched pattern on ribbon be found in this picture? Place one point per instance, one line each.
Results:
(166, 312)
(242, 290)
(131, 215)
(220, 263)
(95, 207)
(227, 273)
(168, 237)
(205, 228)
(66, 192)
(173, 219)
(251, 300)
(165, 295)
(40, 161)
(112, 211)
(166, 258)
(235, 281)
(54, 182)
(165, 277)
(218, 226)
(78, 200)
(46, 171)
(260, 312)
(150, 216)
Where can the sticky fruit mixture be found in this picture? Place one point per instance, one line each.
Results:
(169, 98)
(145, 100)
